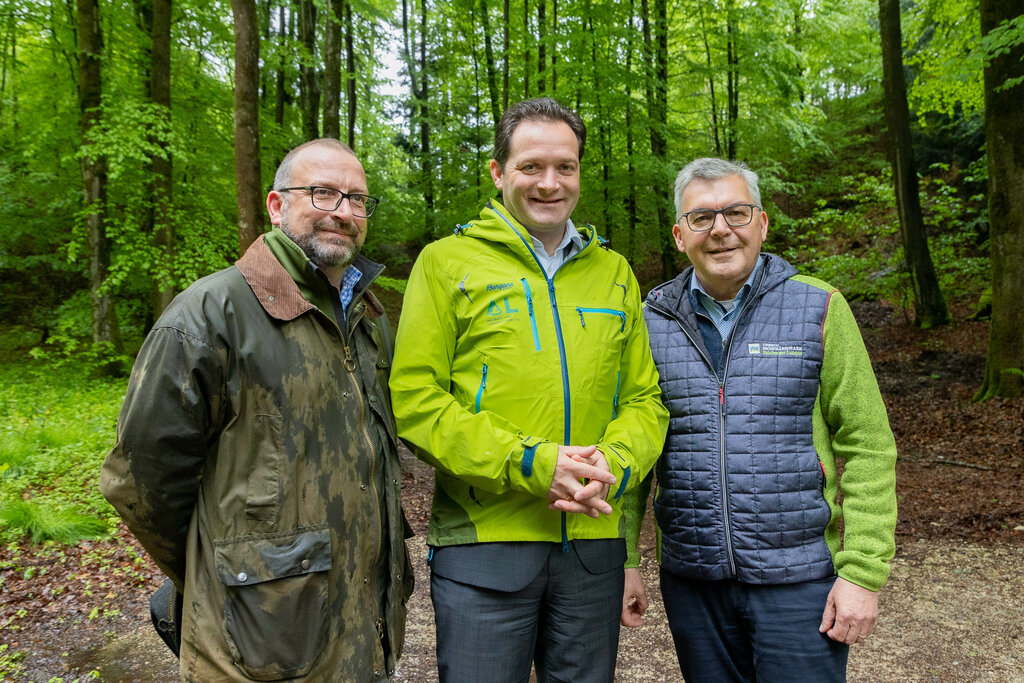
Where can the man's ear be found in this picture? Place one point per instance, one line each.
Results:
(677, 233)
(496, 173)
(275, 202)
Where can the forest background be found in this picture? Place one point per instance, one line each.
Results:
(138, 139)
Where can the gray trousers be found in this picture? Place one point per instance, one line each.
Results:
(565, 619)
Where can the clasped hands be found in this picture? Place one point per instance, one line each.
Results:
(581, 481)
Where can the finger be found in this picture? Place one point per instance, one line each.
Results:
(581, 470)
(581, 451)
(576, 508)
(828, 617)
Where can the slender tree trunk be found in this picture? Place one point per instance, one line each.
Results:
(505, 57)
(657, 111)
(732, 80)
(602, 128)
(631, 207)
(309, 94)
(332, 69)
(279, 95)
(492, 76)
(427, 162)
(94, 171)
(1004, 140)
(247, 129)
(554, 46)
(711, 82)
(929, 306)
(542, 40)
(527, 68)
(162, 164)
(350, 76)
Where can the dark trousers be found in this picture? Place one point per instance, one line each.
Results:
(728, 631)
(566, 621)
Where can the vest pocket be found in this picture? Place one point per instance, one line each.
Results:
(276, 594)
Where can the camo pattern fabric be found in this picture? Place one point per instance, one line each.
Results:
(256, 462)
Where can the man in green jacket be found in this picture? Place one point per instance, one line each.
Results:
(523, 375)
(256, 451)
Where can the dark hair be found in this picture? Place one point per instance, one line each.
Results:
(537, 109)
(283, 177)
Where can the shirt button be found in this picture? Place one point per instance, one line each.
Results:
(242, 577)
(304, 564)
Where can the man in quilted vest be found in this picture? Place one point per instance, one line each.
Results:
(765, 574)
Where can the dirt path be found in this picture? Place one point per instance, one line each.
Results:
(951, 613)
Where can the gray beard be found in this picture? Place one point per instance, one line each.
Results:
(322, 254)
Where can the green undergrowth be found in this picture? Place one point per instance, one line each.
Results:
(56, 425)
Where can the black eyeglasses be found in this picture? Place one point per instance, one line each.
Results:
(329, 199)
(737, 215)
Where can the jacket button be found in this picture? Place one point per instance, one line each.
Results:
(362, 486)
(373, 399)
(366, 581)
(242, 577)
(304, 564)
(376, 673)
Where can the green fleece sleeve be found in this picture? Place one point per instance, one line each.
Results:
(851, 404)
(634, 438)
(482, 449)
(634, 507)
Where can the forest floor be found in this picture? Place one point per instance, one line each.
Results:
(952, 610)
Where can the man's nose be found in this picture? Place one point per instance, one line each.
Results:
(720, 225)
(548, 179)
(343, 210)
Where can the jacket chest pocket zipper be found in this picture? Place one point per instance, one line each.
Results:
(483, 385)
(533, 319)
(583, 312)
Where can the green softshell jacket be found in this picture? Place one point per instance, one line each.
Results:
(254, 437)
(496, 365)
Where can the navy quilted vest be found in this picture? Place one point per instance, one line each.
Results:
(739, 481)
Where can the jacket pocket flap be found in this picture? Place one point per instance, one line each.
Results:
(255, 559)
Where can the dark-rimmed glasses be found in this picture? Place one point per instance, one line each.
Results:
(329, 199)
(736, 215)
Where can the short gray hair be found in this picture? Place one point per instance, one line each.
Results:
(711, 168)
(283, 177)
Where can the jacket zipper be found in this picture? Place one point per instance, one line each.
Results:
(483, 385)
(533, 319)
(561, 345)
(603, 311)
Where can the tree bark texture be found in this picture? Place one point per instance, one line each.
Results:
(309, 90)
(350, 75)
(1004, 141)
(929, 306)
(162, 166)
(492, 75)
(247, 130)
(94, 172)
(657, 111)
(332, 69)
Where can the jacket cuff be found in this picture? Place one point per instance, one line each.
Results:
(621, 469)
(534, 469)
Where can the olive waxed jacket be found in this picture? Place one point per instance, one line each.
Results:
(256, 462)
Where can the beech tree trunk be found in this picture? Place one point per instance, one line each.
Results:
(492, 75)
(94, 171)
(332, 69)
(350, 75)
(162, 165)
(309, 91)
(1004, 142)
(929, 306)
(657, 112)
(247, 120)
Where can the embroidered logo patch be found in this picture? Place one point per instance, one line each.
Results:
(774, 349)
(499, 287)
